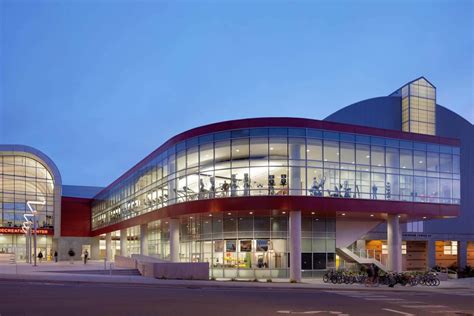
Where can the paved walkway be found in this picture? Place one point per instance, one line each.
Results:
(47, 272)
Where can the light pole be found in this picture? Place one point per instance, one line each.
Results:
(27, 226)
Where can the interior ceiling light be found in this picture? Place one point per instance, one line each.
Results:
(250, 213)
(210, 214)
(271, 148)
(421, 161)
(424, 217)
(229, 213)
(343, 214)
(368, 156)
(283, 212)
(312, 213)
(371, 215)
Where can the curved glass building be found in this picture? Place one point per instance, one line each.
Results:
(384, 181)
(27, 174)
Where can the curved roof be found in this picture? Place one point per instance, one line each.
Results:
(37, 155)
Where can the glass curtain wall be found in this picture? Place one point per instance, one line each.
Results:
(24, 179)
(244, 245)
(286, 161)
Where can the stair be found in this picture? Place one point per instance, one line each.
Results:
(350, 256)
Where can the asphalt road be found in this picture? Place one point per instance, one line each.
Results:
(41, 298)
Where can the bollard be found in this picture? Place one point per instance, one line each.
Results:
(110, 268)
(105, 263)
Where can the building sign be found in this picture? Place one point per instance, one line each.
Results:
(18, 230)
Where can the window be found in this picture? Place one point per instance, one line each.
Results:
(314, 149)
(450, 248)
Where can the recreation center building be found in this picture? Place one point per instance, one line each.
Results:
(388, 180)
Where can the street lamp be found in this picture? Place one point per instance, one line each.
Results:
(27, 227)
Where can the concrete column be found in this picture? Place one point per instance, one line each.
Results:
(295, 246)
(174, 240)
(108, 247)
(462, 254)
(123, 242)
(394, 243)
(431, 245)
(295, 171)
(144, 239)
(95, 248)
(57, 206)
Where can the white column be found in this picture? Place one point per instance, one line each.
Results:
(123, 242)
(295, 171)
(431, 245)
(394, 243)
(95, 248)
(462, 254)
(144, 239)
(174, 240)
(295, 246)
(108, 247)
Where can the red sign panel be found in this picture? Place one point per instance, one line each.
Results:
(17, 230)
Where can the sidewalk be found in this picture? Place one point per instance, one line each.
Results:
(48, 272)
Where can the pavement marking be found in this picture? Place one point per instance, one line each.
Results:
(397, 312)
(313, 312)
(385, 299)
(452, 312)
(425, 306)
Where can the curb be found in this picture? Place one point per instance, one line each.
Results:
(196, 284)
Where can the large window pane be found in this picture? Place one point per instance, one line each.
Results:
(259, 151)
(240, 152)
(420, 160)
(377, 156)
(446, 190)
(331, 151)
(362, 154)
(278, 148)
(347, 153)
(314, 149)
(406, 159)
(432, 162)
(193, 157)
(222, 154)
(297, 148)
(392, 158)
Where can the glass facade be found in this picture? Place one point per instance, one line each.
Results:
(244, 245)
(23, 179)
(285, 161)
(418, 107)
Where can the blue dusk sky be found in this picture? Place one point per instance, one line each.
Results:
(98, 85)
